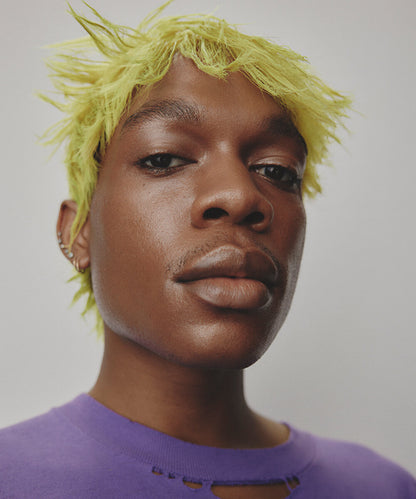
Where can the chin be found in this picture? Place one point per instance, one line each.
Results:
(223, 346)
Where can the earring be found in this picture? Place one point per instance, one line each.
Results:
(64, 248)
(77, 267)
(61, 244)
(69, 254)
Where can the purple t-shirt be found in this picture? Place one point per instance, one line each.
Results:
(84, 450)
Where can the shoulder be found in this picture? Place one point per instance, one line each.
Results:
(27, 449)
(36, 436)
(41, 456)
(30, 437)
(49, 438)
(355, 471)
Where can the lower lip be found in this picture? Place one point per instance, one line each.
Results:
(227, 292)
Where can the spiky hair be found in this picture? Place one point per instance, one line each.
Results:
(96, 75)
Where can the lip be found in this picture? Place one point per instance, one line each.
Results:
(231, 277)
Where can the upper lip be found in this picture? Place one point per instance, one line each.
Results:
(231, 261)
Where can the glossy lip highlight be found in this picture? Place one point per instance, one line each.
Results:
(232, 261)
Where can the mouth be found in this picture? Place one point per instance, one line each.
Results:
(231, 277)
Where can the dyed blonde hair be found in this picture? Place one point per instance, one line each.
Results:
(97, 75)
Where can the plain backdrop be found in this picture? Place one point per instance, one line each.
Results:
(343, 365)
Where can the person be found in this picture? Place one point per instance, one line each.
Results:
(190, 148)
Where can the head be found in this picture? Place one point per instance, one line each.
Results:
(185, 137)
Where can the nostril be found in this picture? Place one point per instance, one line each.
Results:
(214, 213)
(254, 218)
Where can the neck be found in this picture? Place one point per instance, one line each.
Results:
(203, 406)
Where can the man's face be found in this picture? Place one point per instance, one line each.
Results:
(197, 221)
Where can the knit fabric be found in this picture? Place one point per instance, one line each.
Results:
(84, 450)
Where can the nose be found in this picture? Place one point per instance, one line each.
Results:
(227, 193)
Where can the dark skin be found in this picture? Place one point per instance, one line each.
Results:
(217, 169)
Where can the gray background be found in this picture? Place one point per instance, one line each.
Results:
(344, 363)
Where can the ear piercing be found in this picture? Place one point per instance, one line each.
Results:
(77, 267)
(69, 254)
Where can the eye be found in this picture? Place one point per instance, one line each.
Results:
(161, 162)
(281, 175)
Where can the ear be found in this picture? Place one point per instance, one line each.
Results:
(79, 254)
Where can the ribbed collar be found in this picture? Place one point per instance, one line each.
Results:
(186, 459)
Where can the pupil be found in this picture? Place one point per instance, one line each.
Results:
(274, 172)
(162, 160)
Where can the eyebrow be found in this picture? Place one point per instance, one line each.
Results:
(283, 125)
(173, 109)
(181, 110)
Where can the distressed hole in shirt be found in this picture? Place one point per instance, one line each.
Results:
(193, 485)
(274, 490)
(158, 472)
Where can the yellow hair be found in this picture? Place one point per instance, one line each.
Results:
(97, 74)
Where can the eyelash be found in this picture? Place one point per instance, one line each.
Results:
(162, 170)
(283, 175)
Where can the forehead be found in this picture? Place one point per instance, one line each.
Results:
(234, 94)
(232, 98)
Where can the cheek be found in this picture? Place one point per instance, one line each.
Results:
(132, 241)
(290, 223)
(129, 223)
(119, 251)
(297, 238)
(290, 237)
